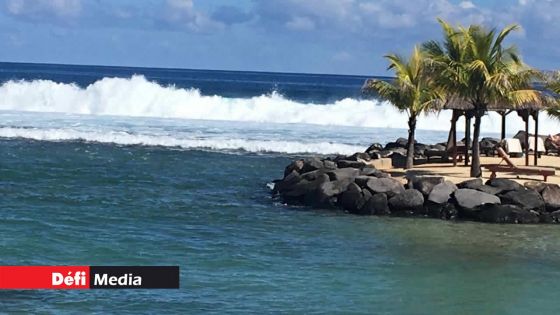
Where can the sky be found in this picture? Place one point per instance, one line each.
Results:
(311, 36)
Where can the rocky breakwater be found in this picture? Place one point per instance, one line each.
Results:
(352, 185)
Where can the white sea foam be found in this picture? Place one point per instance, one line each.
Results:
(126, 138)
(137, 96)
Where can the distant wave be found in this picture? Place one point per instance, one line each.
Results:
(139, 97)
(125, 138)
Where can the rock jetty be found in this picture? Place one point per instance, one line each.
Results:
(351, 184)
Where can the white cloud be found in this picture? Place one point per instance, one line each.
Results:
(299, 23)
(184, 13)
(467, 5)
(39, 8)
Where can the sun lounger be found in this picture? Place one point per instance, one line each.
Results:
(513, 147)
(510, 167)
(455, 155)
(540, 145)
(552, 144)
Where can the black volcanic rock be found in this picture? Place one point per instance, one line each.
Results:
(377, 204)
(441, 193)
(424, 184)
(409, 200)
(496, 213)
(526, 199)
(388, 186)
(551, 197)
(311, 164)
(343, 173)
(505, 184)
(471, 199)
(294, 166)
(471, 183)
(358, 156)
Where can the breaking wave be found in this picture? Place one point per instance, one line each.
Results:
(126, 138)
(138, 97)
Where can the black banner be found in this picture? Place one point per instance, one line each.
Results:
(134, 277)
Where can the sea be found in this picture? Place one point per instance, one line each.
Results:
(146, 166)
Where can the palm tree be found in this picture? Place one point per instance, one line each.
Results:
(412, 92)
(554, 86)
(473, 65)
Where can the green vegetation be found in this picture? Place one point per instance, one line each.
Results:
(471, 65)
(413, 91)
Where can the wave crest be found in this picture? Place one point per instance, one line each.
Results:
(138, 97)
(126, 138)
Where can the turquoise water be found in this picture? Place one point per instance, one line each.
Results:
(239, 251)
(132, 166)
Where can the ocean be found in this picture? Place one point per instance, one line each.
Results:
(140, 166)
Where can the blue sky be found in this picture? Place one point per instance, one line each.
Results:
(319, 36)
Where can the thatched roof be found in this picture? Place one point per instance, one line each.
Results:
(462, 104)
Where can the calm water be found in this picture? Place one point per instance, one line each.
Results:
(86, 184)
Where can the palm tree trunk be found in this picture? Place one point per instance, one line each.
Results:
(476, 170)
(410, 149)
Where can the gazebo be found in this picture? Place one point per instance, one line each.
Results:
(463, 108)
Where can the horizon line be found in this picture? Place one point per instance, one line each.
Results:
(194, 69)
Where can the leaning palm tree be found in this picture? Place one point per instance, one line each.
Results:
(554, 87)
(411, 91)
(473, 65)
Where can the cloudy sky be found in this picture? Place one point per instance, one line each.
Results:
(319, 36)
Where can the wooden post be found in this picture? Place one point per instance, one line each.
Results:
(526, 118)
(536, 118)
(455, 117)
(467, 136)
(503, 114)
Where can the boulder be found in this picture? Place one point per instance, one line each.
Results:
(311, 164)
(441, 193)
(490, 189)
(313, 174)
(376, 204)
(488, 145)
(409, 200)
(471, 183)
(497, 213)
(343, 173)
(289, 180)
(304, 186)
(527, 199)
(504, 184)
(551, 197)
(403, 142)
(294, 166)
(374, 148)
(400, 143)
(420, 149)
(555, 216)
(329, 165)
(471, 199)
(326, 193)
(444, 211)
(362, 180)
(371, 171)
(399, 152)
(389, 186)
(351, 164)
(538, 186)
(546, 217)
(358, 156)
(352, 199)
(424, 184)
